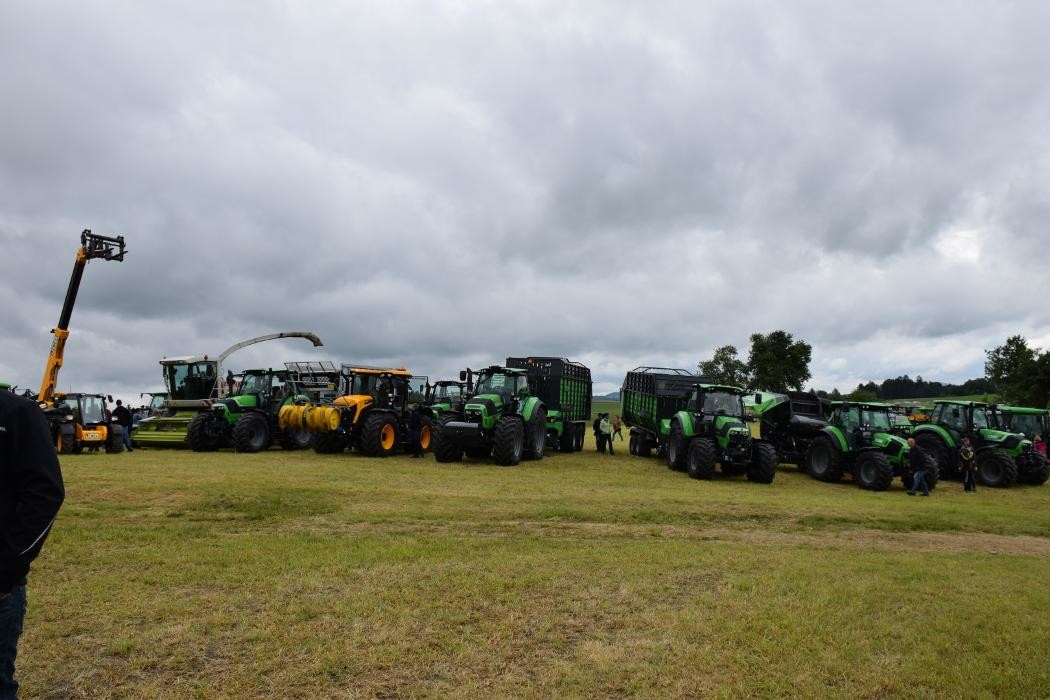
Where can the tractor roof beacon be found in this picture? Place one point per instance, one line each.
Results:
(696, 424)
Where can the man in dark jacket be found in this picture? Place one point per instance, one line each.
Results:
(31, 492)
(919, 463)
(122, 417)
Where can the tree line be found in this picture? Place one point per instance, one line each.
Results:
(1015, 371)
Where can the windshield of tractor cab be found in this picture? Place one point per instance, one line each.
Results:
(1026, 423)
(190, 381)
(254, 384)
(875, 418)
(720, 402)
(505, 384)
(89, 410)
(157, 403)
(983, 418)
(448, 392)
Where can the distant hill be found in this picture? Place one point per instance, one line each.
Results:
(614, 396)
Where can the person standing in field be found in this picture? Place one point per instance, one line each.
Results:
(1039, 445)
(617, 426)
(968, 465)
(122, 417)
(31, 492)
(599, 442)
(607, 432)
(918, 460)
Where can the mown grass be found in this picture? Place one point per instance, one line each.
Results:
(173, 574)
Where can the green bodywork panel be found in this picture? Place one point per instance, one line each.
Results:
(725, 427)
(938, 430)
(992, 437)
(488, 419)
(834, 433)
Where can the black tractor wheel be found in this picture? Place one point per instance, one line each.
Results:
(1038, 471)
(508, 441)
(996, 469)
(328, 443)
(446, 447)
(763, 467)
(567, 441)
(873, 471)
(933, 472)
(202, 435)
(632, 444)
(824, 460)
(379, 437)
(115, 439)
(67, 441)
(701, 458)
(676, 448)
(934, 446)
(536, 434)
(251, 433)
(297, 439)
(577, 445)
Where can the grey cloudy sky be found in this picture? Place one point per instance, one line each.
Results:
(437, 184)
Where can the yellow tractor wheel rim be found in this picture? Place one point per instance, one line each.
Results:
(424, 437)
(387, 437)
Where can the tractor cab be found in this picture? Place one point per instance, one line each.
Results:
(860, 423)
(1030, 422)
(87, 409)
(265, 389)
(190, 379)
(446, 395)
(501, 383)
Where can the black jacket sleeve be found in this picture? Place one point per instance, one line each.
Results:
(33, 491)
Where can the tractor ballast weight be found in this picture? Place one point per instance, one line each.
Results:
(1003, 457)
(193, 384)
(695, 424)
(565, 389)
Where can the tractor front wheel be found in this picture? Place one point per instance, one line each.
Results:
(1038, 473)
(536, 434)
(700, 459)
(115, 439)
(934, 446)
(824, 460)
(201, 435)
(763, 467)
(446, 449)
(676, 448)
(873, 471)
(251, 433)
(508, 441)
(996, 469)
(379, 438)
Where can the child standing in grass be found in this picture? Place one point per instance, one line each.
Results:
(969, 466)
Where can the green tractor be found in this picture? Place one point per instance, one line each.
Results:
(507, 415)
(446, 396)
(860, 438)
(1003, 457)
(257, 413)
(696, 425)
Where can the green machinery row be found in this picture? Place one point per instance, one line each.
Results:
(697, 425)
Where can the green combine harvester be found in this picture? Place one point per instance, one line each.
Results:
(193, 384)
(1003, 457)
(695, 424)
(513, 412)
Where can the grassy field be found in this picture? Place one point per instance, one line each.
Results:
(173, 574)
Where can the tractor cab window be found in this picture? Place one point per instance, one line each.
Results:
(872, 418)
(190, 381)
(722, 403)
(983, 419)
(254, 384)
(91, 410)
(848, 417)
(448, 392)
(503, 384)
(1025, 423)
(157, 403)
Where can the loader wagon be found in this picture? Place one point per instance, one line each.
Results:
(564, 387)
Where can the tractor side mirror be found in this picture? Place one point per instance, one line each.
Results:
(109, 398)
(463, 375)
(758, 398)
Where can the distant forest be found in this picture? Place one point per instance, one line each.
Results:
(907, 388)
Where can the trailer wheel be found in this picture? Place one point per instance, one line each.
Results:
(536, 435)
(508, 441)
(996, 469)
(328, 443)
(251, 433)
(763, 466)
(1039, 472)
(873, 471)
(578, 438)
(934, 446)
(824, 460)
(201, 436)
(676, 448)
(632, 445)
(567, 441)
(700, 458)
(446, 449)
(379, 438)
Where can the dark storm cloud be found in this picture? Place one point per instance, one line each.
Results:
(446, 184)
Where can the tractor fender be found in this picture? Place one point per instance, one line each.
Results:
(528, 407)
(937, 430)
(685, 419)
(835, 435)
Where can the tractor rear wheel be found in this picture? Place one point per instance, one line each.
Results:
(379, 437)
(294, 439)
(763, 467)
(676, 448)
(202, 435)
(700, 459)
(251, 433)
(115, 439)
(446, 448)
(824, 460)
(536, 434)
(328, 443)
(508, 441)
(934, 446)
(1038, 473)
(67, 443)
(873, 471)
(996, 469)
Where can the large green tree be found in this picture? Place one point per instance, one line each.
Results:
(725, 367)
(778, 362)
(1021, 373)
